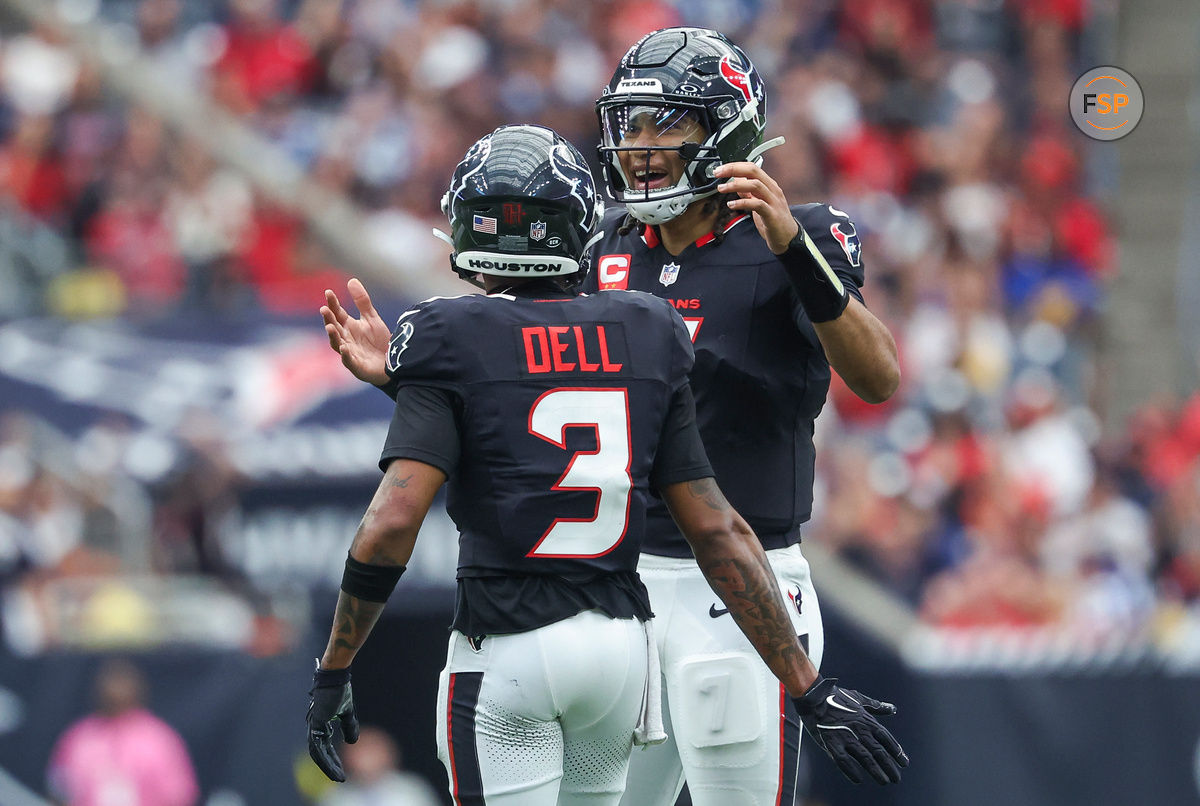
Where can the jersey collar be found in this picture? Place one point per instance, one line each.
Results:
(536, 288)
(650, 234)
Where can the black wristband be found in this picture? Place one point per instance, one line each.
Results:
(372, 583)
(822, 293)
(330, 678)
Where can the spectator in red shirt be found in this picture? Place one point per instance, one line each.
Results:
(30, 172)
(263, 57)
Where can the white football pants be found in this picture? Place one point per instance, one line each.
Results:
(545, 717)
(734, 733)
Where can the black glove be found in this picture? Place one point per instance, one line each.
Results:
(843, 723)
(330, 698)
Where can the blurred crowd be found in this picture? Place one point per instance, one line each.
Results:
(985, 493)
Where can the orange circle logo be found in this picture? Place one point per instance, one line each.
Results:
(1106, 103)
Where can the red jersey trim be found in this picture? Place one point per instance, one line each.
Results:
(650, 234)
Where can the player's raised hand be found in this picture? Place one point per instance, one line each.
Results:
(760, 195)
(363, 342)
(330, 698)
(843, 723)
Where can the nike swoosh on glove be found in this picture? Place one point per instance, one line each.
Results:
(330, 698)
(843, 723)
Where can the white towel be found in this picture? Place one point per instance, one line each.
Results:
(649, 729)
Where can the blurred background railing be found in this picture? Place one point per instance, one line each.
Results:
(183, 460)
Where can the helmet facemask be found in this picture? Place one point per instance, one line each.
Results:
(682, 72)
(641, 129)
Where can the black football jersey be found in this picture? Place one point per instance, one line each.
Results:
(760, 375)
(560, 402)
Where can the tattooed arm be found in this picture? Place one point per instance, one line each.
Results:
(735, 565)
(843, 722)
(385, 537)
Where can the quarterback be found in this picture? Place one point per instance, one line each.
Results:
(770, 294)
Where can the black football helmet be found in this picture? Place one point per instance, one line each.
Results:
(522, 203)
(673, 79)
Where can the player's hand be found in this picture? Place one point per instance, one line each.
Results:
(330, 698)
(760, 195)
(363, 342)
(843, 723)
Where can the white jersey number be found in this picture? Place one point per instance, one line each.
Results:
(604, 471)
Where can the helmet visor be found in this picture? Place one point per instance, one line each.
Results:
(637, 125)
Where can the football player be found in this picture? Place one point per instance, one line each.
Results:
(770, 294)
(553, 416)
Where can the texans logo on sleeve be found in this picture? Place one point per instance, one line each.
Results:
(847, 236)
(398, 344)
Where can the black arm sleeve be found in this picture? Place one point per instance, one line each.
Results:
(681, 455)
(424, 427)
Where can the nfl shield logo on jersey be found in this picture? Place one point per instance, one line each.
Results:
(537, 230)
(669, 273)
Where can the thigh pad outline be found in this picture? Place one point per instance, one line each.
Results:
(719, 700)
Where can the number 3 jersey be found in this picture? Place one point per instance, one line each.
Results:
(554, 415)
(760, 374)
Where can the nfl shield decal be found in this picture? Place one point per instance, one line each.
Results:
(537, 230)
(669, 273)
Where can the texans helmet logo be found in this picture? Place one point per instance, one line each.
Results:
(737, 78)
(847, 236)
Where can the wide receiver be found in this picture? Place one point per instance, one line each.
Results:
(555, 417)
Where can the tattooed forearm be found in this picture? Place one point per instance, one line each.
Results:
(747, 585)
(385, 537)
(352, 623)
(707, 492)
(736, 567)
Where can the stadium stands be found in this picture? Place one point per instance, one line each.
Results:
(993, 495)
